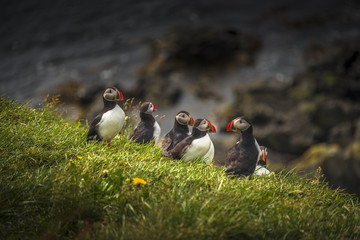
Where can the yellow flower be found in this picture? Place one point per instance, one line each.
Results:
(70, 160)
(139, 181)
(79, 157)
(127, 179)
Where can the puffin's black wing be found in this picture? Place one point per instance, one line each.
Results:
(141, 133)
(132, 133)
(236, 162)
(93, 134)
(167, 143)
(179, 150)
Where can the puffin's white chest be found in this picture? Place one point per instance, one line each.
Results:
(209, 156)
(111, 123)
(261, 170)
(198, 148)
(157, 132)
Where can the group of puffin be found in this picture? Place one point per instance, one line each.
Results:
(245, 158)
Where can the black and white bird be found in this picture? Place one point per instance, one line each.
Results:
(179, 131)
(147, 129)
(261, 168)
(197, 145)
(109, 122)
(241, 159)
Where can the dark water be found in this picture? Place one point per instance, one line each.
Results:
(46, 43)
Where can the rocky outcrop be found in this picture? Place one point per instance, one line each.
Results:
(339, 166)
(184, 57)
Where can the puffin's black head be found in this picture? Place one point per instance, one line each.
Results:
(263, 155)
(240, 123)
(184, 118)
(112, 94)
(148, 108)
(204, 125)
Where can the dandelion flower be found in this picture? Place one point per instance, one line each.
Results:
(79, 157)
(139, 181)
(128, 179)
(70, 160)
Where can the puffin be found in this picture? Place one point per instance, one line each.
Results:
(109, 122)
(147, 129)
(209, 156)
(197, 145)
(179, 131)
(241, 159)
(261, 168)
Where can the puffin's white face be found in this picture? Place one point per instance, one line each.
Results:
(202, 126)
(112, 94)
(241, 124)
(151, 109)
(238, 124)
(184, 119)
(206, 126)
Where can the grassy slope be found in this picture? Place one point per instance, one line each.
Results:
(47, 191)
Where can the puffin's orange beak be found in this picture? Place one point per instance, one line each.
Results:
(211, 127)
(263, 155)
(155, 109)
(119, 96)
(230, 127)
(191, 121)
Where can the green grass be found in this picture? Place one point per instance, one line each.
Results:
(48, 192)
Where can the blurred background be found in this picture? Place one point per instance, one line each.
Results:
(293, 68)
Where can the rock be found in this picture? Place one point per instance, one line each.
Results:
(340, 133)
(186, 58)
(343, 171)
(357, 130)
(340, 167)
(158, 89)
(201, 48)
(315, 157)
(333, 69)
